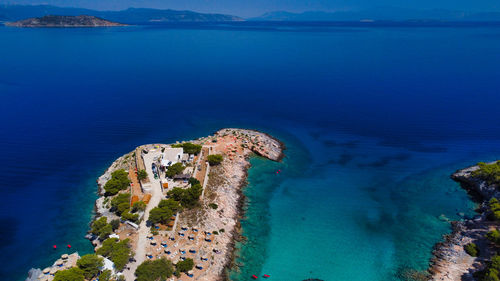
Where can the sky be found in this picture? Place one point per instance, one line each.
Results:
(250, 8)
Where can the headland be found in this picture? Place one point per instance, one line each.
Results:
(171, 206)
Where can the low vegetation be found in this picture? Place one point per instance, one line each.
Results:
(491, 272)
(488, 172)
(494, 209)
(214, 159)
(118, 251)
(119, 181)
(189, 148)
(185, 265)
(160, 269)
(494, 236)
(142, 175)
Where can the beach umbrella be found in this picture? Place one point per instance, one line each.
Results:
(59, 262)
(46, 270)
(149, 254)
(164, 242)
(53, 271)
(64, 256)
(153, 242)
(149, 235)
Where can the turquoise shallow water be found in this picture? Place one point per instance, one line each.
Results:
(369, 207)
(375, 119)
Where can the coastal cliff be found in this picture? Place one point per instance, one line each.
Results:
(204, 232)
(64, 21)
(451, 261)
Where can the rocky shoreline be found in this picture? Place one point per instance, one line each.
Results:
(224, 189)
(450, 262)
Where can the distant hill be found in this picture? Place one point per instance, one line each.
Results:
(63, 21)
(129, 16)
(380, 13)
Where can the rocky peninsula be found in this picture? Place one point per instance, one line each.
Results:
(64, 21)
(171, 210)
(470, 251)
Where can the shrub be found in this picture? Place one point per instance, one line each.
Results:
(472, 249)
(213, 206)
(90, 264)
(72, 274)
(160, 269)
(214, 159)
(142, 175)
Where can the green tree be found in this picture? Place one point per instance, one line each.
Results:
(160, 269)
(71, 274)
(122, 208)
(118, 251)
(494, 236)
(185, 265)
(115, 224)
(98, 224)
(105, 232)
(142, 175)
(131, 217)
(90, 264)
(214, 159)
(105, 275)
(174, 169)
(119, 181)
(138, 206)
(472, 249)
(164, 210)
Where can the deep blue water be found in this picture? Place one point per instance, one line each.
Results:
(375, 119)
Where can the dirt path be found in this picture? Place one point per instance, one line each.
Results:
(142, 241)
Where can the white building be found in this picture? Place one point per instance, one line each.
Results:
(171, 156)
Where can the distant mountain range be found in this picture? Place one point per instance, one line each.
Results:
(129, 16)
(380, 13)
(148, 16)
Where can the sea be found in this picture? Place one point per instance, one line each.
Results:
(375, 118)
